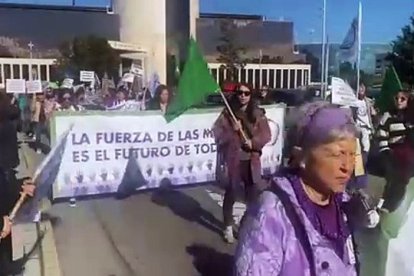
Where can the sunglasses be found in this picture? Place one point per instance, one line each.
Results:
(244, 93)
(401, 99)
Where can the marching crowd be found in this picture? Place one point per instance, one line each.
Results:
(302, 221)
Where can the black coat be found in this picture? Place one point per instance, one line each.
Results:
(9, 150)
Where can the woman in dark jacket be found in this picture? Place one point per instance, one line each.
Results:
(241, 157)
(161, 100)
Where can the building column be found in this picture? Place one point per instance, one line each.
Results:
(3, 81)
(48, 73)
(120, 69)
(296, 79)
(12, 71)
(268, 77)
(281, 78)
(254, 79)
(39, 72)
(288, 79)
(21, 71)
(239, 74)
(275, 79)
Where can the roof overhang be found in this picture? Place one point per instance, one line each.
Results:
(126, 47)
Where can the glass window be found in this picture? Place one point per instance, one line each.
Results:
(256, 78)
(292, 79)
(285, 79)
(299, 78)
(278, 83)
(271, 82)
(214, 73)
(16, 71)
(25, 71)
(43, 72)
(7, 71)
(250, 76)
(243, 77)
(265, 81)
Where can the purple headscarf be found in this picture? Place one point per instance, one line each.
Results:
(316, 121)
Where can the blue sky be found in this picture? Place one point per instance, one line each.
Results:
(382, 19)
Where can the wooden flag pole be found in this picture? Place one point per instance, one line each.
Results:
(244, 136)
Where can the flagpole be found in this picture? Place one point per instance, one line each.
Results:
(323, 49)
(359, 45)
(327, 63)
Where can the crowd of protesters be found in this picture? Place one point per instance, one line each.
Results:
(303, 220)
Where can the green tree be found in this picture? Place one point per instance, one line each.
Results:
(402, 55)
(89, 53)
(230, 50)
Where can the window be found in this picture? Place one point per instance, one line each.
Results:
(265, 81)
(256, 78)
(292, 79)
(271, 82)
(7, 71)
(221, 75)
(285, 79)
(250, 76)
(43, 72)
(214, 73)
(25, 69)
(16, 71)
(278, 83)
(299, 78)
(243, 76)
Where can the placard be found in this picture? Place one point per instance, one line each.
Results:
(342, 93)
(34, 87)
(15, 86)
(87, 76)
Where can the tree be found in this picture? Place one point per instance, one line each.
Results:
(231, 53)
(89, 53)
(402, 56)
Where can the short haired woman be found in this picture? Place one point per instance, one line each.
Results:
(300, 225)
(161, 100)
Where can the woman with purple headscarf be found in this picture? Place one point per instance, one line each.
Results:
(300, 225)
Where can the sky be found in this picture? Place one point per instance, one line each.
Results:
(382, 19)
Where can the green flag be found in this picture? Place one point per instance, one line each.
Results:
(195, 84)
(390, 87)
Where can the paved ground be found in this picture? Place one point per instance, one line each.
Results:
(160, 233)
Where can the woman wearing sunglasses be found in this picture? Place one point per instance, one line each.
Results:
(241, 152)
(397, 149)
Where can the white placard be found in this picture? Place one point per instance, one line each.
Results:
(136, 69)
(128, 77)
(87, 76)
(342, 93)
(183, 151)
(16, 86)
(34, 86)
(67, 83)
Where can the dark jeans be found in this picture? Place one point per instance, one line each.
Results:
(397, 175)
(40, 129)
(250, 191)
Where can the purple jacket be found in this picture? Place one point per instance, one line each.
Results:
(269, 246)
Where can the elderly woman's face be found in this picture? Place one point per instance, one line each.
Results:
(332, 165)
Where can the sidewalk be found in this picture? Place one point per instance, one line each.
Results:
(44, 261)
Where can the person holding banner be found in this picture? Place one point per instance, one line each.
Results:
(8, 196)
(240, 144)
(161, 100)
(395, 133)
(303, 224)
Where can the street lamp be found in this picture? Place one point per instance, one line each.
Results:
(31, 45)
